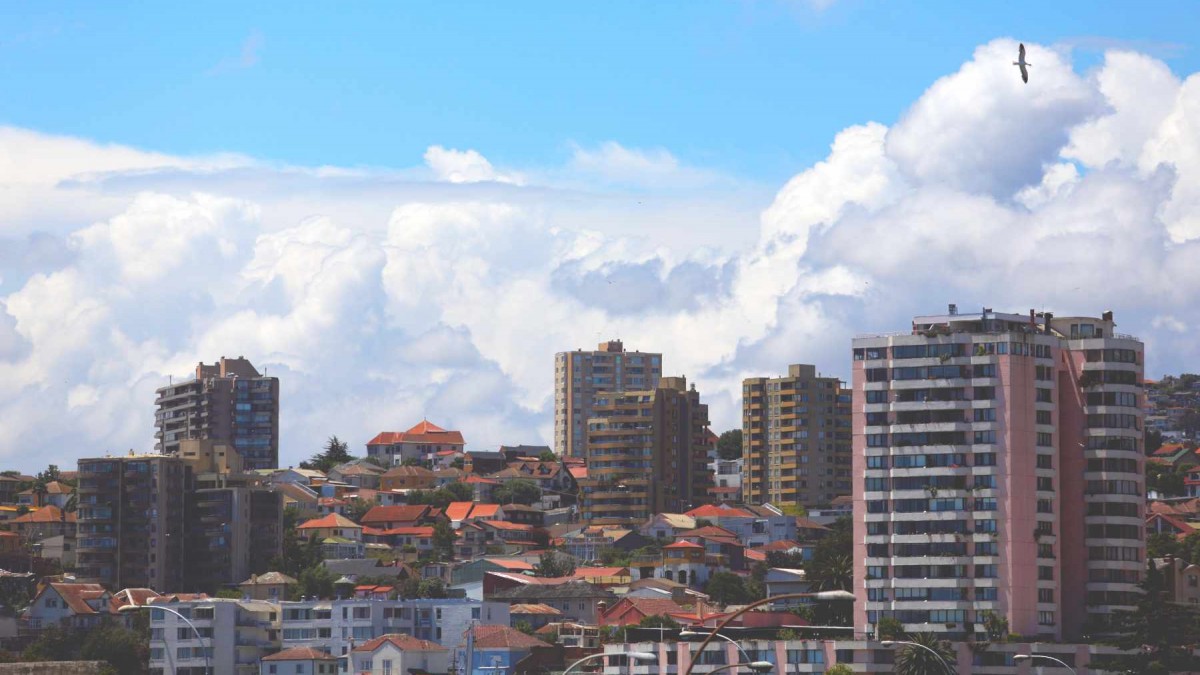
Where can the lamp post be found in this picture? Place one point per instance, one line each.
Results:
(199, 637)
(892, 643)
(1030, 657)
(820, 595)
(692, 635)
(756, 666)
(637, 656)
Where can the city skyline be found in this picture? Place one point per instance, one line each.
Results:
(438, 283)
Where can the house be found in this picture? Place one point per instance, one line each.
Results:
(80, 606)
(630, 611)
(359, 473)
(523, 537)
(271, 586)
(667, 525)
(458, 513)
(535, 615)
(52, 493)
(419, 537)
(340, 537)
(328, 505)
(549, 476)
(470, 543)
(721, 546)
(604, 576)
(483, 487)
(422, 443)
(493, 649)
(1176, 455)
(781, 580)
(577, 600)
(302, 498)
(47, 521)
(408, 478)
(389, 517)
(753, 525)
(399, 654)
(571, 634)
(476, 569)
(307, 477)
(300, 661)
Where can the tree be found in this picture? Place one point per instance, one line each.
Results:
(548, 456)
(1153, 440)
(441, 497)
(996, 626)
(333, 453)
(726, 588)
(553, 565)
(358, 508)
(298, 554)
(1162, 544)
(127, 651)
(444, 539)
(839, 669)
(831, 567)
(729, 444)
(316, 582)
(50, 475)
(1164, 479)
(1159, 633)
(889, 628)
(524, 626)
(518, 491)
(659, 621)
(917, 661)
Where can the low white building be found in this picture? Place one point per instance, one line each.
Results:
(300, 661)
(399, 654)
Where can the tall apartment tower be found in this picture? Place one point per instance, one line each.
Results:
(227, 402)
(647, 453)
(131, 521)
(795, 439)
(580, 375)
(998, 468)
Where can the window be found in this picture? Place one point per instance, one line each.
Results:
(1045, 462)
(986, 593)
(1045, 595)
(985, 414)
(985, 459)
(877, 396)
(1045, 573)
(1045, 484)
(1044, 417)
(985, 437)
(1045, 395)
(1045, 506)
(985, 572)
(1045, 618)
(1045, 440)
(984, 393)
(877, 462)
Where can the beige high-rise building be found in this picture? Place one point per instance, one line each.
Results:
(647, 453)
(228, 402)
(580, 375)
(796, 439)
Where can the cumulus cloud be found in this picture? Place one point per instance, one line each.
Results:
(380, 297)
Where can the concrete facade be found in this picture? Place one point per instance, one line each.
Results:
(580, 375)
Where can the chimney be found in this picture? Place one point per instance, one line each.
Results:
(1049, 317)
(1107, 316)
(952, 310)
(1032, 319)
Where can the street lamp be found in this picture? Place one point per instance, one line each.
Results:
(756, 666)
(693, 635)
(892, 643)
(820, 595)
(634, 655)
(1030, 657)
(199, 637)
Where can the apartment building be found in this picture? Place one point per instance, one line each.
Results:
(580, 375)
(234, 636)
(421, 443)
(131, 521)
(229, 402)
(237, 525)
(647, 452)
(999, 468)
(795, 438)
(335, 626)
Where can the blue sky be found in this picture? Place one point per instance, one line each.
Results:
(753, 88)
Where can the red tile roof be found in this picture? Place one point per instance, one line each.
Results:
(301, 654)
(480, 480)
(425, 432)
(594, 572)
(504, 637)
(405, 643)
(505, 525)
(515, 565)
(77, 595)
(417, 531)
(578, 472)
(330, 521)
(708, 531)
(45, 514)
(683, 544)
(391, 514)
(712, 511)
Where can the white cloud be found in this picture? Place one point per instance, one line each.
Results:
(379, 297)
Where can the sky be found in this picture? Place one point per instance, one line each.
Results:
(404, 210)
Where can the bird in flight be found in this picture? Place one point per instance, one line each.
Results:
(1023, 65)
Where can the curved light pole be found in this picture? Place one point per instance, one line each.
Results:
(199, 637)
(756, 666)
(890, 643)
(1030, 657)
(820, 595)
(637, 656)
(691, 635)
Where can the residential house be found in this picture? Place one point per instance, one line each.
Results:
(522, 537)
(307, 477)
(578, 600)
(483, 487)
(359, 473)
(80, 606)
(607, 577)
(271, 586)
(753, 525)
(300, 661)
(476, 569)
(667, 525)
(422, 443)
(533, 615)
(340, 537)
(489, 649)
(629, 611)
(470, 543)
(1176, 455)
(302, 498)
(399, 654)
(52, 493)
(780, 581)
(47, 521)
(408, 478)
(389, 517)
(458, 513)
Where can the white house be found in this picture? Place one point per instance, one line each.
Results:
(399, 654)
(299, 661)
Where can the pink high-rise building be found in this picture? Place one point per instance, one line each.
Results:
(998, 468)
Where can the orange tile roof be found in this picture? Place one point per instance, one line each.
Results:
(480, 480)
(712, 511)
(329, 521)
(683, 544)
(504, 637)
(458, 510)
(413, 531)
(45, 514)
(578, 472)
(505, 525)
(301, 654)
(77, 595)
(536, 608)
(708, 531)
(425, 432)
(593, 572)
(403, 642)
(401, 513)
(485, 510)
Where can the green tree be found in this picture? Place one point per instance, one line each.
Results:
(839, 669)
(444, 539)
(229, 593)
(126, 650)
(889, 628)
(832, 567)
(1165, 480)
(1162, 544)
(553, 565)
(441, 497)
(334, 452)
(298, 554)
(659, 621)
(729, 444)
(50, 475)
(1159, 633)
(913, 660)
(316, 581)
(524, 626)
(996, 626)
(358, 508)
(726, 588)
(1153, 440)
(54, 643)
(519, 491)
(548, 456)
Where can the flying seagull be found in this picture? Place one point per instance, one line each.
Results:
(1021, 62)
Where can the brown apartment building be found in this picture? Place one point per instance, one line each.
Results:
(647, 453)
(580, 375)
(228, 402)
(796, 439)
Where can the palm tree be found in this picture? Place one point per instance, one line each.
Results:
(917, 661)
